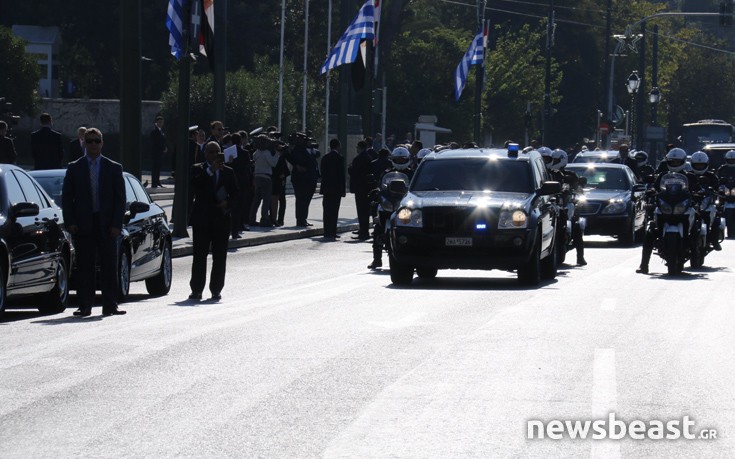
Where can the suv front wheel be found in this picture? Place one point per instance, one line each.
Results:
(400, 274)
(530, 273)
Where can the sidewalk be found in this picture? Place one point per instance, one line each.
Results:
(257, 235)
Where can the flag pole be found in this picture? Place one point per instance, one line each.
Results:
(280, 71)
(329, 48)
(479, 75)
(306, 54)
(181, 190)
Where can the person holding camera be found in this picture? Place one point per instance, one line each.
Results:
(264, 160)
(215, 190)
(304, 176)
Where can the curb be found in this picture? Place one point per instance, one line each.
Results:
(186, 248)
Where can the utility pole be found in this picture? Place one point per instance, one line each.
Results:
(654, 73)
(130, 86)
(181, 190)
(641, 94)
(367, 97)
(608, 34)
(306, 55)
(346, 9)
(546, 119)
(480, 75)
(220, 59)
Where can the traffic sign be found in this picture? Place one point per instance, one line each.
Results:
(617, 115)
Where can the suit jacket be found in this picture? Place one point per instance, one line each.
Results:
(7, 151)
(359, 170)
(47, 148)
(158, 142)
(76, 201)
(333, 174)
(76, 150)
(207, 195)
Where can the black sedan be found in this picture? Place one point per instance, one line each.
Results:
(613, 201)
(145, 250)
(36, 253)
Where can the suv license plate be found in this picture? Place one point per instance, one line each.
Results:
(458, 241)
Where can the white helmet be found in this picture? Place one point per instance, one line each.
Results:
(676, 160)
(699, 162)
(641, 157)
(400, 158)
(423, 152)
(560, 159)
(546, 155)
(730, 158)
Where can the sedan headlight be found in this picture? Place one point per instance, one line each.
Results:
(615, 207)
(512, 219)
(410, 217)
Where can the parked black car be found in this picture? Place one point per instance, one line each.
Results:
(145, 249)
(476, 209)
(36, 253)
(613, 201)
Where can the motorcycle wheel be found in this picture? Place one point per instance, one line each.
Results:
(671, 253)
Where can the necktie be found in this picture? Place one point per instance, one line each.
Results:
(93, 183)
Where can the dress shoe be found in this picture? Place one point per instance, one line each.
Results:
(236, 236)
(642, 270)
(375, 264)
(83, 312)
(114, 312)
(309, 224)
(302, 224)
(279, 223)
(716, 245)
(216, 297)
(195, 296)
(361, 237)
(245, 228)
(581, 261)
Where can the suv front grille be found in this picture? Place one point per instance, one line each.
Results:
(456, 220)
(588, 208)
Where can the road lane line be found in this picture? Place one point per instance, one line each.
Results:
(604, 400)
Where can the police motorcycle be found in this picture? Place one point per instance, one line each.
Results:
(385, 199)
(566, 201)
(680, 233)
(706, 203)
(726, 173)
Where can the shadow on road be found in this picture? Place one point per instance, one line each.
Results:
(469, 283)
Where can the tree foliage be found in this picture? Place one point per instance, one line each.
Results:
(19, 73)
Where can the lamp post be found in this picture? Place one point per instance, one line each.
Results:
(633, 83)
(654, 97)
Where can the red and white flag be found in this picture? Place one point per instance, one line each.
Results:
(206, 32)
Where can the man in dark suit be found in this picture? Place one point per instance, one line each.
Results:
(215, 189)
(333, 187)
(93, 205)
(8, 154)
(158, 148)
(47, 146)
(359, 170)
(76, 146)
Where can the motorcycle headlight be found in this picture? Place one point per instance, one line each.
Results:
(614, 207)
(665, 207)
(681, 207)
(512, 219)
(410, 217)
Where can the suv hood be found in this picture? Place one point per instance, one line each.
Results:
(422, 199)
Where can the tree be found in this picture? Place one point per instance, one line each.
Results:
(19, 73)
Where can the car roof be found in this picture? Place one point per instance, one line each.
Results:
(61, 172)
(464, 153)
(719, 146)
(596, 166)
(599, 153)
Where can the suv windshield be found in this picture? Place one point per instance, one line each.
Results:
(473, 174)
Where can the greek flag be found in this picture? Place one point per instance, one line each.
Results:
(474, 55)
(361, 28)
(174, 24)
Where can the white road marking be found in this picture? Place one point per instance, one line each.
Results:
(604, 400)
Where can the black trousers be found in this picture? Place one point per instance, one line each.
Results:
(157, 160)
(330, 204)
(97, 246)
(214, 235)
(303, 192)
(362, 203)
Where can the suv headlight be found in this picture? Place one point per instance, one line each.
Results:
(614, 207)
(512, 219)
(410, 217)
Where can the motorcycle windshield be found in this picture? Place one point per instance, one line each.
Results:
(390, 176)
(674, 183)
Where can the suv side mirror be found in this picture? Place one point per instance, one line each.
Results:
(398, 187)
(23, 209)
(138, 207)
(548, 188)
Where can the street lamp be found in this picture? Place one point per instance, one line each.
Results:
(654, 97)
(633, 84)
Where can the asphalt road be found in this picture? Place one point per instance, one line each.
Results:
(310, 354)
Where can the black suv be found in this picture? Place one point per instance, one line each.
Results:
(476, 209)
(36, 253)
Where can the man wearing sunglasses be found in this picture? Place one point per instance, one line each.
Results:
(93, 207)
